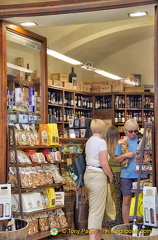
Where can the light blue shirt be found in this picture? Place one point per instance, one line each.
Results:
(129, 172)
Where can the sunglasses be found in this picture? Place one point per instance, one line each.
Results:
(133, 131)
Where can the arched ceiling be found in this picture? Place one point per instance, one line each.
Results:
(93, 35)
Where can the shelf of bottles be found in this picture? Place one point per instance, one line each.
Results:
(138, 107)
(55, 105)
(103, 102)
(64, 105)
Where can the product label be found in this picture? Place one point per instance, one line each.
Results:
(74, 82)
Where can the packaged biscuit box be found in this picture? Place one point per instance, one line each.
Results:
(53, 136)
(43, 134)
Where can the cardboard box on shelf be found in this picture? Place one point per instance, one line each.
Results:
(56, 83)
(87, 83)
(98, 83)
(86, 89)
(95, 89)
(106, 88)
(134, 89)
(19, 61)
(59, 76)
(117, 86)
(67, 85)
(80, 85)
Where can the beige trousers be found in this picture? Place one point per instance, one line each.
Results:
(96, 183)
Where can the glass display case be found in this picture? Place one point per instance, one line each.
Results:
(23, 79)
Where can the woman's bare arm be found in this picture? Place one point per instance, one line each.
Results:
(103, 158)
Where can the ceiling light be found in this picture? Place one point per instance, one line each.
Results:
(88, 67)
(137, 14)
(28, 24)
(63, 57)
(19, 68)
(106, 74)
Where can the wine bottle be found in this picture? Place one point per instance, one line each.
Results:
(134, 228)
(73, 78)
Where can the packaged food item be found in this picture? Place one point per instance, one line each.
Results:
(32, 224)
(57, 156)
(13, 176)
(53, 136)
(35, 140)
(43, 222)
(48, 174)
(124, 149)
(25, 177)
(21, 155)
(56, 175)
(53, 220)
(31, 155)
(62, 218)
(43, 134)
(44, 198)
(40, 157)
(51, 196)
(41, 175)
(47, 153)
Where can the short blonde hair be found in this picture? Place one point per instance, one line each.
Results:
(97, 126)
(131, 124)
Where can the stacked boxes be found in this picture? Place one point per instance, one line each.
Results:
(117, 86)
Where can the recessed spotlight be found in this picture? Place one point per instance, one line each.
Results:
(137, 14)
(28, 24)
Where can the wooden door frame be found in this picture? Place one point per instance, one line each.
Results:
(65, 7)
(4, 26)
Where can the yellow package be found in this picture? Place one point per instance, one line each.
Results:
(139, 206)
(51, 196)
(53, 136)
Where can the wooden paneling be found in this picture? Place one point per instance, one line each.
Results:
(156, 92)
(36, 8)
(104, 114)
(3, 103)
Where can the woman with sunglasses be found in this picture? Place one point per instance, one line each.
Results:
(128, 175)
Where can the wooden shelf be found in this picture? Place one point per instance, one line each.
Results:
(85, 109)
(33, 164)
(70, 90)
(44, 210)
(36, 146)
(38, 187)
(74, 140)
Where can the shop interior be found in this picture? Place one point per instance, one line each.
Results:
(109, 40)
